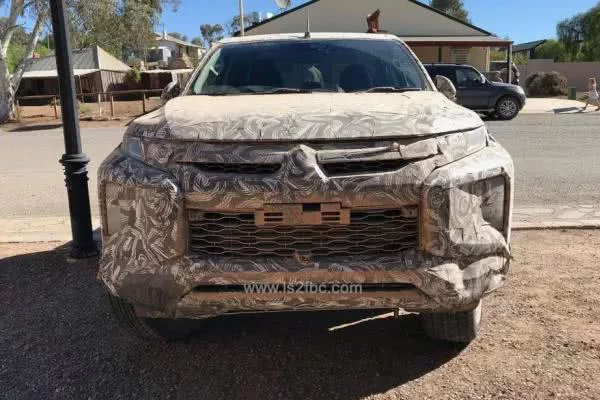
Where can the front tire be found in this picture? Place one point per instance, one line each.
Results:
(146, 328)
(458, 327)
(507, 108)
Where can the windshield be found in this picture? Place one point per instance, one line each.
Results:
(309, 66)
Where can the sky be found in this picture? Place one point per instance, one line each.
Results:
(520, 20)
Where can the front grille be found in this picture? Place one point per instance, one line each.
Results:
(362, 167)
(369, 232)
(239, 168)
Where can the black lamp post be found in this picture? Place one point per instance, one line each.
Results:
(74, 160)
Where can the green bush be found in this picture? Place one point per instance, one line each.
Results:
(84, 109)
(542, 84)
(133, 77)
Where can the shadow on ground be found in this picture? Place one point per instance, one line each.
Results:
(567, 110)
(58, 340)
(34, 127)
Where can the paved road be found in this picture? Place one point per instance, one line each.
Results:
(31, 178)
(557, 159)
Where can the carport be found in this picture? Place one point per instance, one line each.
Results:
(474, 50)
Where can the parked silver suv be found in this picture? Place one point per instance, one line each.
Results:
(306, 173)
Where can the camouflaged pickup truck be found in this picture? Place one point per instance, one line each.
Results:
(327, 162)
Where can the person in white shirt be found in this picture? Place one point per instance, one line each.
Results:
(592, 95)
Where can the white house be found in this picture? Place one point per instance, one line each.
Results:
(434, 36)
(168, 48)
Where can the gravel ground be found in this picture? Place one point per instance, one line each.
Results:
(540, 339)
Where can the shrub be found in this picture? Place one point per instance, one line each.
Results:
(133, 77)
(84, 109)
(542, 84)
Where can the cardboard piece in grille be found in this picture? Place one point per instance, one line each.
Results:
(302, 214)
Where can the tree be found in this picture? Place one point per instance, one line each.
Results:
(19, 35)
(454, 8)
(198, 41)
(119, 26)
(211, 33)
(579, 35)
(570, 33)
(551, 49)
(179, 36)
(249, 19)
(37, 10)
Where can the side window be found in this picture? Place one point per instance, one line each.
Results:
(450, 73)
(432, 71)
(210, 73)
(444, 71)
(467, 77)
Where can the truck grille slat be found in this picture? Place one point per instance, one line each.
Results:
(370, 232)
(363, 167)
(238, 168)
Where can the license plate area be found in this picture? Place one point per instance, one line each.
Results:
(302, 214)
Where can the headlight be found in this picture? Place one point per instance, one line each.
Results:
(133, 147)
(490, 195)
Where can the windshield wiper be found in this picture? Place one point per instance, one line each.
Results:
(392, 89)
(293, 90)
(282, 91)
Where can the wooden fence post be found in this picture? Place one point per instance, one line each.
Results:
(112, 106)
(55, 107)
(144, 102)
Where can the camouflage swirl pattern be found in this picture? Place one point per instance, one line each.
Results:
(462, 183)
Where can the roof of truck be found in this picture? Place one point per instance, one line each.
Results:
(313, 35)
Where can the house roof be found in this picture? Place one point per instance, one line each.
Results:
(89, 59)
(373, 5)
(528, 46)
(52, 73)
(169, 38)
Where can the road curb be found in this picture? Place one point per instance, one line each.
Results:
(38, 230)
(553, 225)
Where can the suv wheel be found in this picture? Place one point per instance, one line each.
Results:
(507, 107)
(147, 328)
(460, 327)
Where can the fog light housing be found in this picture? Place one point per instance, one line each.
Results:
(119, 200)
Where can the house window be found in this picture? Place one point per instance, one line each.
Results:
(460, 55)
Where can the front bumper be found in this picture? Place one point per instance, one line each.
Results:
(461, 256)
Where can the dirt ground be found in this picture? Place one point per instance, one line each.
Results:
(100, 110)
(540, 340)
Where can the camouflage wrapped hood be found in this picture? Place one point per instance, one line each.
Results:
(317, 116)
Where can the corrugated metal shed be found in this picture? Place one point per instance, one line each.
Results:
(52, 73)
(91, 58)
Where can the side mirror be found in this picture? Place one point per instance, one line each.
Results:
(446, 87)
(173, 89)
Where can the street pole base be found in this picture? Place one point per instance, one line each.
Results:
(81, 252)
